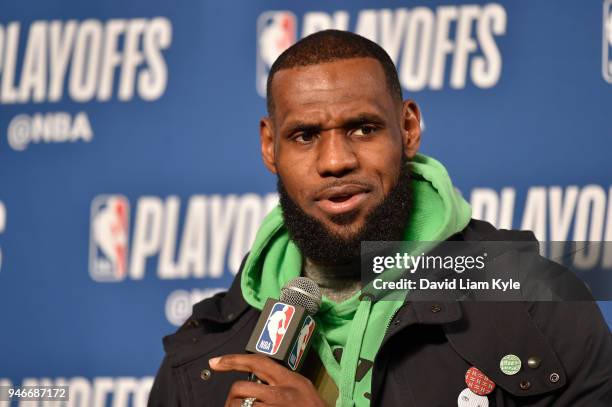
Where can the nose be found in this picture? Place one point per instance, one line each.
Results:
(336, 157)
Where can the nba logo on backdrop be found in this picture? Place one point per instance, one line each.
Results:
(275, 328)
(300, 345)
(108, 241)
(607, 42)
(276, 31)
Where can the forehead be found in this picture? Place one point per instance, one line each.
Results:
(332, 90)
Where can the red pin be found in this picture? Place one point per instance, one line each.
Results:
(478, 382)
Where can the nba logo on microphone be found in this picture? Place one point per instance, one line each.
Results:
(276, 31)
(606, 68)
(275, 328)
(300, 345)
(108, 241)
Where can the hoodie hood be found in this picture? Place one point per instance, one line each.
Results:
(438, 211)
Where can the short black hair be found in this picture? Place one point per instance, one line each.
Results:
(329, 46)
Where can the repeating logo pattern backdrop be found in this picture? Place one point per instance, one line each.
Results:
(131, 178)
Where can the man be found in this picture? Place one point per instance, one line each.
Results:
(344, 146)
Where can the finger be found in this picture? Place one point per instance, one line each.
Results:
(263, 393)
(264, 368)
(238, 403)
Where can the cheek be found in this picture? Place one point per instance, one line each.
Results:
(385, 167)
(294, 185)
(296, 172)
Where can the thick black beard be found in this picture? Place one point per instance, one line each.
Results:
(386, 222)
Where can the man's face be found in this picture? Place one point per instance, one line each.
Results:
(336, 140)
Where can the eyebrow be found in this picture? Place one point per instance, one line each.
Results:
(350, 123)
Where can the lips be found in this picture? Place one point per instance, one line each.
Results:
(341, 199)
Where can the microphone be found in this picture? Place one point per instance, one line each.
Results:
(286, 326)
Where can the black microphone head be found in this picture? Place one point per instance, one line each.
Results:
(304, 292)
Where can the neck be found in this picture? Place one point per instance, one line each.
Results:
(337, 283)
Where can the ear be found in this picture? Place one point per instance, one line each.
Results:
(266, 139)
(411, 127)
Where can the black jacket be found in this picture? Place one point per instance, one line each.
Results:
(427, 349)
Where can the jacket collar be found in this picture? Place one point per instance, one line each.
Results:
(227, 307)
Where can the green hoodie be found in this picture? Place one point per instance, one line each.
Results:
(438, 211)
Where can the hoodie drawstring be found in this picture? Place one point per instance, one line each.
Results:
(351, 352)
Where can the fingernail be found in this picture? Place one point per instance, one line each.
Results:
(214, 361)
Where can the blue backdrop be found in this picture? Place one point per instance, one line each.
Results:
(130, 173)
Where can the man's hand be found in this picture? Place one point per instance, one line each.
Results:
(284, 388)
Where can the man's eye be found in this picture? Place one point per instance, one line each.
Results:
(304, 138)
(364, 130)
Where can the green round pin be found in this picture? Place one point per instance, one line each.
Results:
(510, 364)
